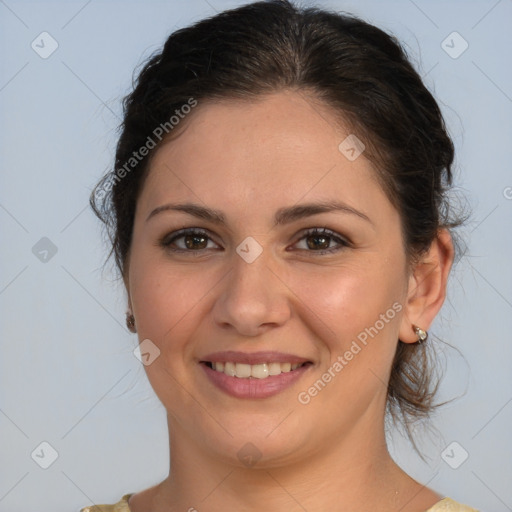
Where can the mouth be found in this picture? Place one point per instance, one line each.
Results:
(254, 375)
(253, 371)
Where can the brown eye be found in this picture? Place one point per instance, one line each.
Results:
(321, 241)
(188, 240)
(318, 242)
(195, 241)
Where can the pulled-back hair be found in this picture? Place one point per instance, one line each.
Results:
(359, 71)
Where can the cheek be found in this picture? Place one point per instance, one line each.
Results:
(350, 299)
(354, 311)
(165, 299)
(168, 305)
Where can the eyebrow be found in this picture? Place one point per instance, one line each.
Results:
(283, 215)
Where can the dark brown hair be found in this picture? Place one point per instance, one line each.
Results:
(359, 71)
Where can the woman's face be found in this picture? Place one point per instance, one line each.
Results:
(258, 240)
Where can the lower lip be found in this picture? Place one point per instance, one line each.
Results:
(251, 387)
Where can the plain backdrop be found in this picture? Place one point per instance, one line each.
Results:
(67, 371)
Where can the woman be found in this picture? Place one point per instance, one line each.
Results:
(277, 212)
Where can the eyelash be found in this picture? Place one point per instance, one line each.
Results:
(169, 239)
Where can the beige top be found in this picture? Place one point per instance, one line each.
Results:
(445, 505)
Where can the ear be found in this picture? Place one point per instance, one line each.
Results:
(427, 287)
(126, 281)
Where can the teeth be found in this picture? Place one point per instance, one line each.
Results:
(229, 369)
(286, 367)
(256, 371)
(242, 370)
(259, 371)
(274, 368)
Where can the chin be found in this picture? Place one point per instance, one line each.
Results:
(261, 442)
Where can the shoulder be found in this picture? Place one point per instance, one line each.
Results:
(445, 505)
(449, 505)
(120, 506)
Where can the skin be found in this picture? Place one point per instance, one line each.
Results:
(248, 160)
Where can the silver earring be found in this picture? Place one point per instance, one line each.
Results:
(130, 322)
(422, 335)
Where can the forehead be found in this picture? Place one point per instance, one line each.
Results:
(280, 149)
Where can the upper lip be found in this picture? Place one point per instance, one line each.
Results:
(253, 357)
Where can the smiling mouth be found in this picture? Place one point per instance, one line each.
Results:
(253, 371)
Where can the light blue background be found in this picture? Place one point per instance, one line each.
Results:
(68, 375)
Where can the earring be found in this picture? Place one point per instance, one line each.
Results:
(130, 322)
(422, 335)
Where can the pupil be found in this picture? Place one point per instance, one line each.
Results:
(321, 242)
(192, 240)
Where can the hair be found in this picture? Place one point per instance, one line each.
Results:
(354, 68)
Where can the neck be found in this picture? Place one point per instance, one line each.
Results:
(345, 475)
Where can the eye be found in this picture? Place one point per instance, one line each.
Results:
(188, 240)
(321, 241)
(196, 240)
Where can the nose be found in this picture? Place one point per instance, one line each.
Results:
(253, 298)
